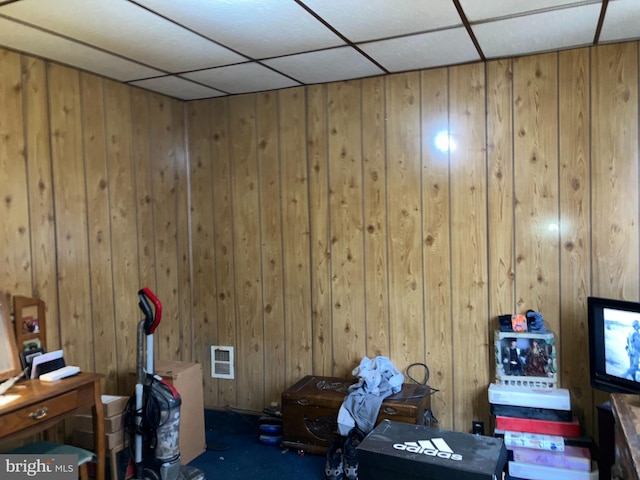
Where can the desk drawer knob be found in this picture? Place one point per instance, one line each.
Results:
(39, 414)
(303, 401)
(390, 411)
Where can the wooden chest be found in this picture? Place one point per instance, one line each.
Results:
(310, 410)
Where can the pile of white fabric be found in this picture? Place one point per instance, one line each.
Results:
(378, 378)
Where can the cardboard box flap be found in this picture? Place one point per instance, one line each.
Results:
(173, 368)
(113, 404)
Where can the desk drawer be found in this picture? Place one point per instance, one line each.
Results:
(38, 412)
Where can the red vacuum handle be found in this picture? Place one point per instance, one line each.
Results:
(151, 321)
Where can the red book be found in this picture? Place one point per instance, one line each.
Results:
(548, 427)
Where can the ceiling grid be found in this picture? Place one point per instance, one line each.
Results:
(196, 49)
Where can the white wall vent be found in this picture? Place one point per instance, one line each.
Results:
(221, 362)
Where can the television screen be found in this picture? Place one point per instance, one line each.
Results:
(614, 345)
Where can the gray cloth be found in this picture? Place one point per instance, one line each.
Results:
(377, 379)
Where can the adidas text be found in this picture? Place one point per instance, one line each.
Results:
(436, 447)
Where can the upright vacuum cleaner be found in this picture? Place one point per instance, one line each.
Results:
(155, 422)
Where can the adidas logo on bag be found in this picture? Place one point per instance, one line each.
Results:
(436, 447)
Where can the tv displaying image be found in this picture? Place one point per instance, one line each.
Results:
(614, 344)
(622, 343)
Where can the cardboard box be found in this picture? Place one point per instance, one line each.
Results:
(186, 377)
(113, 407)
(84, 422)
(409, 452)
(113, 404)
(115, 441)
(518, 366)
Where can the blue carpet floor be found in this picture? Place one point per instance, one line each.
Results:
(245, 457)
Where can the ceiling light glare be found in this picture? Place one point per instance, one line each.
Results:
(444, 142)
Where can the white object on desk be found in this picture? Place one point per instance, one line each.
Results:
(45, 357)
(63, 372)
(5, 399)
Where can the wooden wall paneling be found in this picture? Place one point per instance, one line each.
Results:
(124, 227)
(472, 348)
(345, 205)
(76, 328)
(202, 240)
(500, 191)
(60, 209)
(536, 186)
(41, 217)
(500, 195)
(142, 167)
(614, 174)
(376, 281)
(183, 226)
(320, 241)
(295, 235)
(614, 171)
(404, 230)
(163, 180)
(271, 245)
(436, 242)
(250, 361)
(16, 276)
(575, 241)
(223, 220)
(99, 228)
(145, 228)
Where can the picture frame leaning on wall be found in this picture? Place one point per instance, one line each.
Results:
(30, 328)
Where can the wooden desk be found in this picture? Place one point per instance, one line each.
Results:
(626, 414)
(41, 405)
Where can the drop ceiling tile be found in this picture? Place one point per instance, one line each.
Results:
(445, 47)
(343, 63)
(539, 32)
(242, 78)
(622, 21)
(481, 10)
(256, 29)
(177, 87)
(140, 40)
(41, 44)
(124, 28)
(363, 20)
